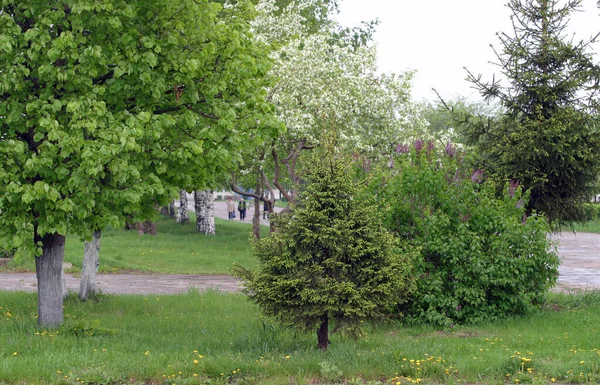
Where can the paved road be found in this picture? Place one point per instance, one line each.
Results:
(221, 210)
(580, 255)
(580, 269)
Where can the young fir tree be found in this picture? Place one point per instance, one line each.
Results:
(548, 138)
(331, 259)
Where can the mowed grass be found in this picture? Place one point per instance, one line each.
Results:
(588, 227)
(214, 338)
(176, 249)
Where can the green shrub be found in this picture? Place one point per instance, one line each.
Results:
(481, 257)
(591, 211)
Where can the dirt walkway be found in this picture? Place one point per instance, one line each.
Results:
(131, 283)
(580, 269)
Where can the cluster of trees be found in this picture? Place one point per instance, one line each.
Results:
(470, 231)
(108, 110)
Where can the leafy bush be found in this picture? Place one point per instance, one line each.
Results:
(591, 211)
(481, 257)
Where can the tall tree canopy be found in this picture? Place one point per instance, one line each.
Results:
(328, 77)
(109, 106)
(548, 137)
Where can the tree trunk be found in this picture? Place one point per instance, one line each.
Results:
(323, 333)
(183, 208)
(89, 267)
(209, 227)
(146, 228)
(270, 211)
(200, 207)
(172, 212)
(256, 219)
(257, 203)
(49, 272)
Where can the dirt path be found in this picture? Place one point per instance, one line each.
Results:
(580, 269)
(131, 283)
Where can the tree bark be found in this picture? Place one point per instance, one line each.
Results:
(200, 207)
(89, 268)
(209, 227)
(183, 216)
(146, 228)
(172, 212)
(50, 277)
(257, 203)
(323, 333)
(256, 219)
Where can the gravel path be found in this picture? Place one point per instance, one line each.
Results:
(580, 269)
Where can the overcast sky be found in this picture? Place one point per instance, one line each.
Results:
(440, 37)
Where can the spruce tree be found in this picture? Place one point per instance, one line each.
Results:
(547, 139)
(331, 259)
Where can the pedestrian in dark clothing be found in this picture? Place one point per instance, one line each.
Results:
(242, 209)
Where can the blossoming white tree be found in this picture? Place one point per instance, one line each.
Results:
(324, 81)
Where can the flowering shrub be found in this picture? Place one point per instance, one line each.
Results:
(480, 256)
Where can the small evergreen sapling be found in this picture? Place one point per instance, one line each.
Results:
(331, 259)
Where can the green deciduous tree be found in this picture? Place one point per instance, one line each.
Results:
(321, 75)
(107, 108)
(547, 138)
(331, 259)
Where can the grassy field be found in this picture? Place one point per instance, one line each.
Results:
(589, 227)
(216, 338)
(176, 249)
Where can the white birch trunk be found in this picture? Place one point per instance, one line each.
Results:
(209, 228)
(50, 280)
(200, 207)
(89, 267)
(182, 214)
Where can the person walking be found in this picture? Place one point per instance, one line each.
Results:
(242, 209)
(230, 208)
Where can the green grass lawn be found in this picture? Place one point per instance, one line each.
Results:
(176, 249)
(216, 338)
(589, 227)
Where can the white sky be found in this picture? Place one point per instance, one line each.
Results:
(440, 37)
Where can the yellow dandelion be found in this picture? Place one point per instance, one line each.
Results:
(195, 361)
(287, 357)
(147, 352)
